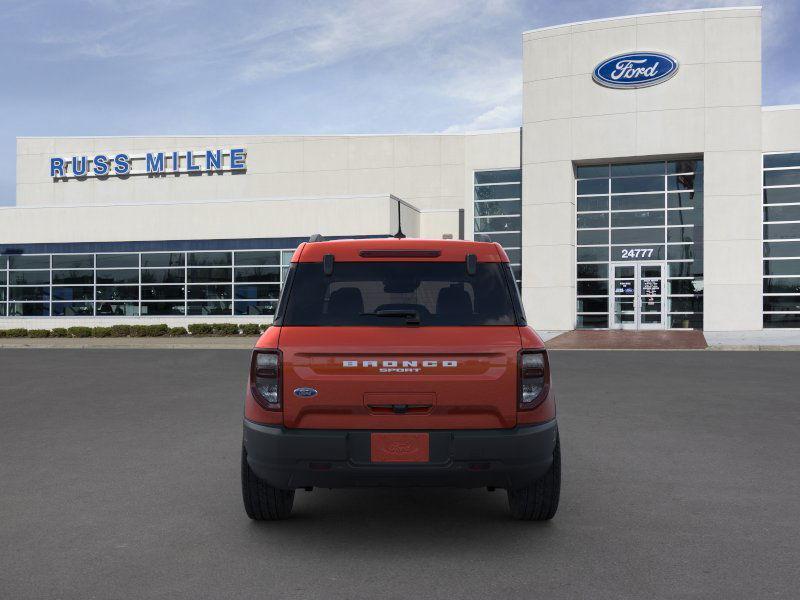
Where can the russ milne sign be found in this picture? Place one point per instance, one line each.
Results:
(151, 163)
(635, 70)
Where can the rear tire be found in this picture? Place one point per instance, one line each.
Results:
(263, 502)
(539, 500)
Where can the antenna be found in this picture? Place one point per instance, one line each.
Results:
(399, 235)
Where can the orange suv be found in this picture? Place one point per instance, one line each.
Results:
(400, 362)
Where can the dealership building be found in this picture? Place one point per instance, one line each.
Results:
(646, 188)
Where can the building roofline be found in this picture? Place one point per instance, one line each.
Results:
(261, 135)
(652, 14)
(781, 107)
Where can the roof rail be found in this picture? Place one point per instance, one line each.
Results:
(482, 237)
(316, 238)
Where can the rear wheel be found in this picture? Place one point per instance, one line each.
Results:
(262, 502)
(539, 500)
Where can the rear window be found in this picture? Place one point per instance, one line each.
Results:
(399, 294)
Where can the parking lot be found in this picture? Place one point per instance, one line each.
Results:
(119, 478)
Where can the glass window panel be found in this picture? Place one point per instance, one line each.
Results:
(782, 249)
(118, 292)
(488, 209)
(255, 308)
(498, 224)
(209, 292)
(162, 292)
(637, 219)
(680, 234)
(254, 292)
(648, 168)
(782, 267)
(637, 236)
(117, 309)
(2, 294)
(29, 262)
(3, 262)
(782, 195)
(592, 236)
(684, 182)
(789, 177)
(683, 217)
(685, 286)
(286, 256)
(782, 285)
(163, 276)
(596, 254)
(73, 309)
(29, 277)
(162, 309)
(514, 240)
(684, 166)
(592, 288)
(29, 293)
(514, 256)
(86, 276)
(592, 186)
(221, 307)
(592, 322)
(516, 271)
(496, 192)
(592, 203)
(28, 309)
(2, 277)
(209, 259)
(782, 213)
(163, 259)
(592, 271)
(118, 276)
(789, 159)
(3, 308)
(782, 231)
(685, 200)
(592, 220)
(113, 261)
(73, 261)
(499, 176)
(679, 252)
(591, 171)
(694, 321)
(694, 304)
(638, 252)
(257, 274)
(782, 303)
(637, 202)
(258, 257)
(787, 320)
(210, 275)
(680, 269)
(593, 305)
(83, 292)
(636, 184)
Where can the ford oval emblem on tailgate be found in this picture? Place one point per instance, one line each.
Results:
(305, 392)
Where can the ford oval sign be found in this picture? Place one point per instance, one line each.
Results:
(305, 392)
(635, 70)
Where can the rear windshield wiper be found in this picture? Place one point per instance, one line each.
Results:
(412, 316)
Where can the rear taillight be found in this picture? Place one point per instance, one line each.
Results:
(265, 378)
(534, 378)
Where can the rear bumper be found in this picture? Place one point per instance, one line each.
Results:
(297, 458)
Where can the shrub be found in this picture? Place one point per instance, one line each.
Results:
(138, 330)
(177, 331)
(201, 329)
(157, 330)
(263, 327)
(38, 333)
(225, 329)
(17, 332)
(101, 332)
(251, 329)
(80, 332)
(59, 332)
(2, 333)
(120, 330)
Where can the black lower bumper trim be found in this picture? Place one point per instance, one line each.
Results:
(297, 458)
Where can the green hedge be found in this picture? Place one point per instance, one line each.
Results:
(198, 329)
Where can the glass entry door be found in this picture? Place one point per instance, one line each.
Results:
(636, 298)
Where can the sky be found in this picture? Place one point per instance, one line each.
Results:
(173, 67)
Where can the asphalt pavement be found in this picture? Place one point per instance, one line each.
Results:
(119, 478)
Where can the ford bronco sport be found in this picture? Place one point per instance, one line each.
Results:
(400, 362)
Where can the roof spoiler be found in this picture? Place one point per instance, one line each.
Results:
(482, 237)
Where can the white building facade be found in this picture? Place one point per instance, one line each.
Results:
(647, 188)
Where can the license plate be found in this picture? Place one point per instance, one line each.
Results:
(399, 447)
